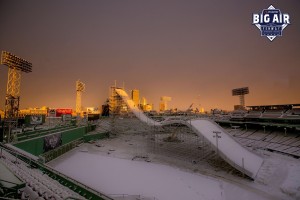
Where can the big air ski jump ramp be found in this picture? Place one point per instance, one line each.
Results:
(231, 151)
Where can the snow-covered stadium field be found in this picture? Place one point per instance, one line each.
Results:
(111, 170)
(121, 176)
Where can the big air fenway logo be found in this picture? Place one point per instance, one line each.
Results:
(271, 22)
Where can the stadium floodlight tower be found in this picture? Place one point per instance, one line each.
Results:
(15, 66)
(241, 92)
(80, 87)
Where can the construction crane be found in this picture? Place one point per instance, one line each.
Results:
(190, 107)
(80, 87)
(16, 66)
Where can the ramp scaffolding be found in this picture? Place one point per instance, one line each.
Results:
(117, 107)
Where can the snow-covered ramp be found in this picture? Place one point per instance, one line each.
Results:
(230, 150)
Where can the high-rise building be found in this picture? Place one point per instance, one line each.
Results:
(135, 96)
(140, 103)
(144, 101)
(144, 106)
(148, 107)
(163, 105)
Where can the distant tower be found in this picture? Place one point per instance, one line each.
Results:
(15, 66)
(144, 101)
(241, 92)
(143, 104)
(80, 87)
(163, 105)
(135, 96)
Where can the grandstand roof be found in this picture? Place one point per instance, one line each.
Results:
(283, 125)
(290, 106)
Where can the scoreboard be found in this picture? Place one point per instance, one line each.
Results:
(240, 91)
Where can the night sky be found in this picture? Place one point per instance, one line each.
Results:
(194, 51)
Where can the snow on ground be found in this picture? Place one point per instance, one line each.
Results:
(280, 175)
(121, 176)
(291, 184)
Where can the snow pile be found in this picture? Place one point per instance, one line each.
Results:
(291, 184)
(266, 174)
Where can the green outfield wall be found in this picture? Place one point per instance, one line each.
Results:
(35, 145)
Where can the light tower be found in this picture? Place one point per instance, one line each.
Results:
(80, 87)
(241, 92)
(15, 66)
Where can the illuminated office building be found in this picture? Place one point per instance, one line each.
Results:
(135, 96)
(163, 105)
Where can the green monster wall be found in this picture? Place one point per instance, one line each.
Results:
(35, 145)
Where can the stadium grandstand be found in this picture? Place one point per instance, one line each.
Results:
(285, 113)
(268, 127)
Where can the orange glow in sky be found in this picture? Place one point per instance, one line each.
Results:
(193, 51)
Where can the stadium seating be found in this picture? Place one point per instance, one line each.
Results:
(295, 111)
(253, 114)
(292, 114)
(38, 185)
(271, 140)
(237, 115)
(272, 113)
(265, 114)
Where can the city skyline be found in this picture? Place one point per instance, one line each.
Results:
(194, 52)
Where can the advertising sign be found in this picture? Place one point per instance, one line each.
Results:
(66, 118)
(52, 142)
(271, 22)
(63, 111)
(52, 113)
(36, 119)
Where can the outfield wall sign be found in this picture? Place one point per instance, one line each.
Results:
(52, 113)
(52, 141)
(66, 117)
(271, 22)
(36, 119)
